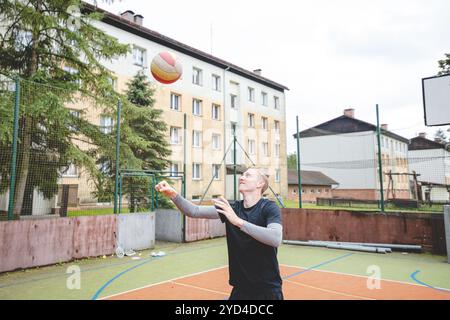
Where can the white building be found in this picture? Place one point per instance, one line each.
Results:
(431, 162)
(346, 150)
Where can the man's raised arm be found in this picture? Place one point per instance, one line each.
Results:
(186, 207)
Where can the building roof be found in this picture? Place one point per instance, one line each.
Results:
(154, 36)
(421, 143)
(345, 124)
(312, 178)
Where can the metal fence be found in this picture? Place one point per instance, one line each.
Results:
(349, 163)
(59, 153)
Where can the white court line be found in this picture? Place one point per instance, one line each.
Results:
(165, 281)
(329, 291)
(357, 275)
(201, 288)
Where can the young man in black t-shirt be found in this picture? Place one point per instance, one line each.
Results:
(254, 232)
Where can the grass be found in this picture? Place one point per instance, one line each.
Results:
(94, 212)
(367, 208)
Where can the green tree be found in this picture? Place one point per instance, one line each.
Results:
(444, 65)
(145, 134)
(58, 56)
(292, 161)
(440, 136)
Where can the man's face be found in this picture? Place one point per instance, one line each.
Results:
(250, 180)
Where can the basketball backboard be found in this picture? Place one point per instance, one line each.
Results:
(436, 100)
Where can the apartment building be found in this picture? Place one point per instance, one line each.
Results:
(219, 99)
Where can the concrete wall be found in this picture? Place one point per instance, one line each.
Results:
(37, 242)
(136, 230)
(339, 225)
(199, 229)
(168, 225)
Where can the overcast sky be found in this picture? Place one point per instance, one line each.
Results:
(332, 54)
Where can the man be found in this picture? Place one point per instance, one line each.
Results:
(254, 232)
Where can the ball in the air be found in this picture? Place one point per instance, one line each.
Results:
(166, 68)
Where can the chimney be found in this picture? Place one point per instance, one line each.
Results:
(384, 126)
(128, 15)
(138, 19)
(423, 135)
(349, 112)
(257, 71)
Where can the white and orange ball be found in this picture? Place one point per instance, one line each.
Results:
(166, 68)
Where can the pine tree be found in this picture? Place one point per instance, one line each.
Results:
(38, 42)
(146, 138)
(444, 65)
(440, 136)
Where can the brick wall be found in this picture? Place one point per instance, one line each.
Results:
(351, 226)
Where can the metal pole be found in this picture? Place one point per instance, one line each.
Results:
(447, 230)
(116, 188)
(120, 193)
(183, 182)
(380, 166)
(298, 168)
(183, 187)
(12, 183)
(234, 164)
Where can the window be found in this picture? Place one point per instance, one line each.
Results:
(251, 146)
(276, 126)
(196, 171)
(106, 124)
(277, 149)
(216, 141)
(74, 114)
(175, 102)
(233, 98)
(319, 190)
(197, 76)
(265, 147)
(215, 112)
(104, 167)
(216, 82)
(70, 171)
(113, 82)
(294, 191)
(196, 138)
(264, 98)
(277, 175)
(174, 169)
(216, 171)
(276, 102)
(197, 107)
(73, 72)
(251, 94)
(138, 56)
(264, 122)
(175, 137)
(251, 120)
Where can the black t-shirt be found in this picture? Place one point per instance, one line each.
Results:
(253, 265)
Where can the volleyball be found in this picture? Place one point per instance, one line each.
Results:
(166, 68)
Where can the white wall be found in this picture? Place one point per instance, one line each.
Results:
(344, 149)
(430, 164)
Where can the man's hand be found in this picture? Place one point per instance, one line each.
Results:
(223, 207)
(164, 188)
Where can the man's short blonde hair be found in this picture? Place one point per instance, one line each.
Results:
(264, 176)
